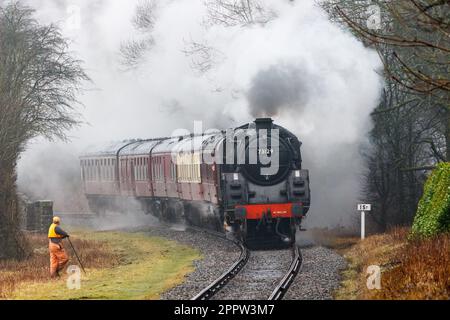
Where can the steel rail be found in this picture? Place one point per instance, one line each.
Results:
(295, 267)
(208, 292)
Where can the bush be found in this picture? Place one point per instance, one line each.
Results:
(433, 212)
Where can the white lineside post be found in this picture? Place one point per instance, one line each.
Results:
(363, 225)
(363, 208)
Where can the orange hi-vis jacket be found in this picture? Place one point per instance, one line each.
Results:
(52, 233)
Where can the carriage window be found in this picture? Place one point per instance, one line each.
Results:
(113, 170)
(91, 168)
(159, 168)
(109, 170)
(136, 169)
(144, 176)
(97, 170)
(106, 169)
(154, 169)
(139, 169)
(172, 171)
(146, 168)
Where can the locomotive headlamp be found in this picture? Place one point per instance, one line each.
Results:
(297, 173)
(235, 176)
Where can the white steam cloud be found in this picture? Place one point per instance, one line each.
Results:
(312, 76)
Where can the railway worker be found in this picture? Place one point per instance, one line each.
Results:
(58, 256)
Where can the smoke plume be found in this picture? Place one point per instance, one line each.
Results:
(278, 87)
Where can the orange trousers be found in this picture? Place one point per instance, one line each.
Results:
(58, 258)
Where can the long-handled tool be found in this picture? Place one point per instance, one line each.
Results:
(76, 254)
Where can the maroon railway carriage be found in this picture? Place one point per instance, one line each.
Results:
(190, 178)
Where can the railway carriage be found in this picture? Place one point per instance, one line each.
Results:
(200, 180)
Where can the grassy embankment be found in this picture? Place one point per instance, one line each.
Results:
(119, 266)
(410, 269)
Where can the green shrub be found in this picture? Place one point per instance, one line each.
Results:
(433, 212)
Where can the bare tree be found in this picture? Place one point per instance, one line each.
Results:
(203, 56)
(410, 133)
(396, 144)
(237, 12)
(39, 82)
(133, 51)
(418, 36)
(227, 13)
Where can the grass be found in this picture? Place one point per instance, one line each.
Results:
(338, 239)
(410, 270)
(94, 254)
(119, 265)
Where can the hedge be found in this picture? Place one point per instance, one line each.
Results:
(433, 212)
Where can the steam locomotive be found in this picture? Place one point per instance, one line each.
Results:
(247, 180)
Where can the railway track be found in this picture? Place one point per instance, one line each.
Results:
(295, 267)
(222, 281)
(208, 292)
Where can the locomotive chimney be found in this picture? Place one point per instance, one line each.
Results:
(263, 123)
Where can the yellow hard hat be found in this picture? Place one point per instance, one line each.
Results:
(56, 220)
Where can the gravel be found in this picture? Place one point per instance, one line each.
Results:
(259, 277)
(319, 276)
